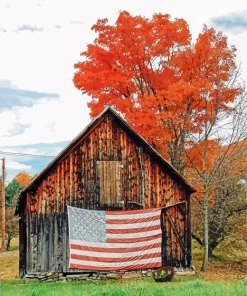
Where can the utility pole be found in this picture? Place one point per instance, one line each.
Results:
(3, 204)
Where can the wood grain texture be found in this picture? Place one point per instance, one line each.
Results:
(107, 170)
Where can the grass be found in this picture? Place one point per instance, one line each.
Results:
(223, 277)
(124, 288)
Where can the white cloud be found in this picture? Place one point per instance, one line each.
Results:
(17, 166)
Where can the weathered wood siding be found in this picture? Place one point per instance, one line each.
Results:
(78, 178)
(105, 169)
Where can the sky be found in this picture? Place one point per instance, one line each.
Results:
(40, 41)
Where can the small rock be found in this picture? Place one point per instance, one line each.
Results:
(102, 277)
(73, 276)
(85, 275)
(149, 273)
(104, 272)
(62, 278)
(50, 281)
(29, 276)
(113, 276)
(28, 280)
(132, 276)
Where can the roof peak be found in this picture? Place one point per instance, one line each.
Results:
(88, 128)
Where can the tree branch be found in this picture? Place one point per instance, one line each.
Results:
(197, 238)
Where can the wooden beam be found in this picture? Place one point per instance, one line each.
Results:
(175, 229)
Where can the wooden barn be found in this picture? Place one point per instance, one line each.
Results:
(107, 166)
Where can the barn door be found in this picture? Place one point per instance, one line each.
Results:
(109, 173)
(175, 236)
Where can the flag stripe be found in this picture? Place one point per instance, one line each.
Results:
(112, 246)
(132, 235)
(115, 264)
(116, 255)
(115, 260)
(133, 212)
(133, 225)
(113, 250)
(132, 216)
(133, 221)
(131, 240)
(132, 230)
(102, 268)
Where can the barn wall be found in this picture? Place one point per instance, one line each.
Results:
(80, 178)
(76, 179)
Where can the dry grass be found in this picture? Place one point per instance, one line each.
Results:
(227, 266)
(9, 261)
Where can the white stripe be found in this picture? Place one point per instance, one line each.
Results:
(115, 255)
(115, 245)
(134, 225)
(115, 264)
(155, 214)
(133, 235)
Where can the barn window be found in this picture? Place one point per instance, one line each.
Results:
(109, 179)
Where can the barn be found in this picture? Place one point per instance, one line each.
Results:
(108, 166)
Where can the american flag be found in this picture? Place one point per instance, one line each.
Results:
(114, 240)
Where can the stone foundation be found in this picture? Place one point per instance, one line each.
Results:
(49, 277)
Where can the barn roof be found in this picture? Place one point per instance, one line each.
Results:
(89, 128)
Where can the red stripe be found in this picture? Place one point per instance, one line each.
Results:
(130, 212)
(130, 267)
(133, 230)
(132, 240)
(132, 221)
(114, 250)
(115, 260)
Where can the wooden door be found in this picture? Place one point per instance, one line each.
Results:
(109, 173)
(176, 250)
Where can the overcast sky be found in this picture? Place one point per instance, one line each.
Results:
(40, 41)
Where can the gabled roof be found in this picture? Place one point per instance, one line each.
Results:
(131, 131)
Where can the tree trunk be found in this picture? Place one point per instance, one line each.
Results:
(210, 252)
(177, 153)
(8, 243)
(205, 234)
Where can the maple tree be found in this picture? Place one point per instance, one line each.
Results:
(174, 92)
(149, 69)
(23, 178)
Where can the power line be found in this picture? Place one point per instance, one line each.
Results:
(26, 154)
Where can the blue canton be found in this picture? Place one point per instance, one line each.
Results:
(87, 225)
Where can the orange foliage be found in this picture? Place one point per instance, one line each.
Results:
(23, 178)
(195, 155)
(235, 162)
(149, 69)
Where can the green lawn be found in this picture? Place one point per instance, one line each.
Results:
(130, 288)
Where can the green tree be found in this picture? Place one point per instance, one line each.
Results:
(12, 190)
